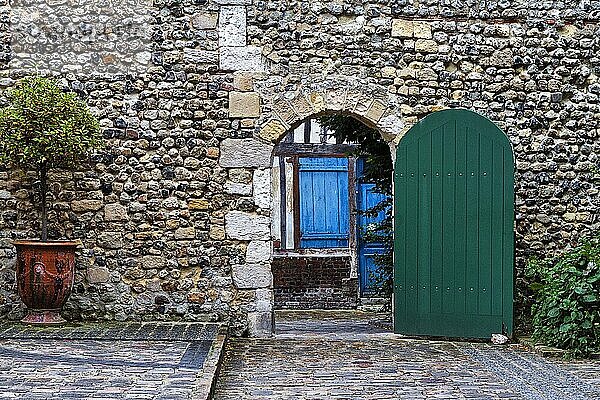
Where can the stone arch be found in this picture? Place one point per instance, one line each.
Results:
(368, 102)
(280, 112)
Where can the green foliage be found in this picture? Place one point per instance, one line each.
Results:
(44, 127)
(378, 170)
(566, 312)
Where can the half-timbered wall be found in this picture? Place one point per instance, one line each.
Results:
(315, 273)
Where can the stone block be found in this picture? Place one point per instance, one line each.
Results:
(390, 126)
(86, 205)
(196, 56)
(285, 112)
(198, 205)
(402, 28)
(233, 2)
(375, 112)
(243, 81)
(258, 251)
(212, 152)
(196, 297)
(170, 203)
(260, 324)
(273, 131)
(247, 58)
(240, 225)
(97, 275)
(238, 188)
(317, 101)
(205, 20)
(352, 99)
(216, 232)
(240, 175)
(422, 30)
(245, 153)
(388, 72)
(5, 195)
(186, 233)
(232, 26)
(503, 58)
(262, 188)
(153, 262)
(244, 105)
(115, 212)
(302, 107)
(363, 105)
(570, 217)
(252, 276)
(335, 99)
(110, 240)
(426, 46)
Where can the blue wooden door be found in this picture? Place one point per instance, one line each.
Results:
(366, 199)
(324, 211)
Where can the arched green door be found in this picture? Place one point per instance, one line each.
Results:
(454, 211)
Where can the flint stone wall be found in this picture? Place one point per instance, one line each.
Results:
(174, 212)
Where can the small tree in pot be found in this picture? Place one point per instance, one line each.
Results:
(43, 128)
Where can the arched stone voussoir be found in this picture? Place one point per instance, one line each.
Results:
(369, 103)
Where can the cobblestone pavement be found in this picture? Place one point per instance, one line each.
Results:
(129, 361)
(323, 356)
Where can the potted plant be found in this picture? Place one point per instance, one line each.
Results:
(42, 128)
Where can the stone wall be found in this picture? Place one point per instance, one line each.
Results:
(305, 282)
(174, 212)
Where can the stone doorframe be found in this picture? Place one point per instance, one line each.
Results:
(256, 100)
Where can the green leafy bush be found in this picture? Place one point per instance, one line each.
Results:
(566, 312)
(44, 127)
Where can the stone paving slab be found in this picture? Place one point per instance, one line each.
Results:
(350, 358)
(116, 361)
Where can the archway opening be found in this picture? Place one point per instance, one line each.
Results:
(331, 214)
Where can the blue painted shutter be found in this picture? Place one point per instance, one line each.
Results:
(324, 211)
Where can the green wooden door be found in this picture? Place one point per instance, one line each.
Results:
(454, 210)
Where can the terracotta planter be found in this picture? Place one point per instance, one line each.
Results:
(45, 272)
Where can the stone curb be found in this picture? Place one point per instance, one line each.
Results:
(206, 379)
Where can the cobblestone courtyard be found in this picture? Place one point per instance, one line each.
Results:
(313, 357)
(132, 361)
